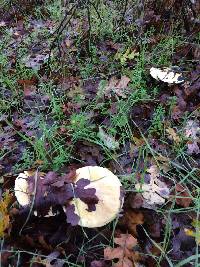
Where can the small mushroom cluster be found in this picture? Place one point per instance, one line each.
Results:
(108, 191)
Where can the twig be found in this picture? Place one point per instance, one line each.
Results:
(32, 203)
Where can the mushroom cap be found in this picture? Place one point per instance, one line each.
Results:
(108, 191)
(23, 195)
(21, 189)
(167, 75)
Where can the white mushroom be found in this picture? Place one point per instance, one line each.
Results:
(108, 191)
(168, 75)
(21, 189)
(23, 195)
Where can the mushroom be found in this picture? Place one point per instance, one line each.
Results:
(108, 191)
(22, 194)
(21, 188)
(168, 75)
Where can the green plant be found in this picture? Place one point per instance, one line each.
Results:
(80, 127)
(161, 54)
(102, 19)
(51, 9)
(157, 122)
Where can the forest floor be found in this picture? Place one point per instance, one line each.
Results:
(76, 90)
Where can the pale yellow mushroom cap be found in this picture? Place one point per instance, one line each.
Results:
(167, 75)
(107, 187)
(21, 189)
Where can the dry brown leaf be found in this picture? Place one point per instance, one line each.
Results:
(44, 243)
(173, 135)
(155, 192)
(183, 198)
(124, 253)
(131, 219)
(154, 172)
(125, 262)
(193, 147)
(123, 82)
(164, 163)
(113, 253)
(117, 86)
(192, 131)
(76, 91)
(126, 240)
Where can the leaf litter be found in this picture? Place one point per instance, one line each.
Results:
(155, 192)
(152, 189)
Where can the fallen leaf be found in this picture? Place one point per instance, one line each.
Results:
(36, 61)
(126, 240)
(4, 213)
(192, 148)
(130, 220)
(54, 190)
(76, 91)
(128, 55)
(29, 91)
(181, 243)
(155, 192)
(44, 244)
(124, 253)
(113, 253)
(125, 262)
(183, 198)
(173, 135)
(117, 86)
(97, 263)
(192, 131)
(2, 23)
(164, 163)
(108, 140)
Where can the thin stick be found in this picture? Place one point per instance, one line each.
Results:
(32, 203)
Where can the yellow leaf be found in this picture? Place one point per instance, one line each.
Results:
(123, 57)
(4, 215)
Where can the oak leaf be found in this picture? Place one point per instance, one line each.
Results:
(124, 252)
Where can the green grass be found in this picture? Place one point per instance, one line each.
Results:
(55, 149)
